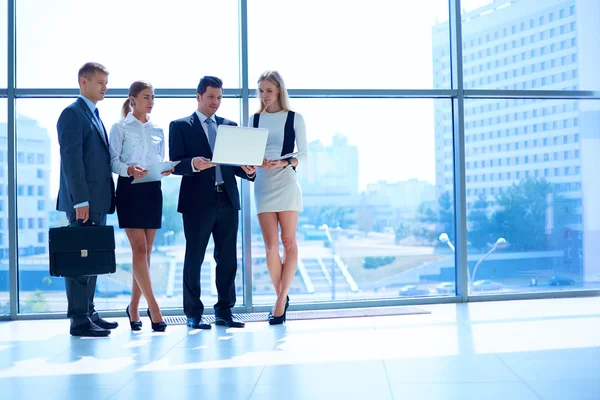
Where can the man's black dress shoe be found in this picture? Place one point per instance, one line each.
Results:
(104, 324)
(230, 322)
(198, 323)
(89, 329)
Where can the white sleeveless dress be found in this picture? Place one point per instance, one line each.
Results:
(278, 189)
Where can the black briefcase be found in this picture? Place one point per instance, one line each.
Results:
(79, 249)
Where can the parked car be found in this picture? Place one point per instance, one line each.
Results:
(446, 288)
(485, 285)
(557, 280)
(412, 290)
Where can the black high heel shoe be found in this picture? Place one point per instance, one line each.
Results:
(287, 304)
(157, 326)
(273, 320)
(135, 325)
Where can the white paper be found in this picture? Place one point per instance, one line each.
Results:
(284, 157)
(155, 171)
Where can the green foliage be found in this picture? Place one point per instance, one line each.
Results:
(442, 218)
(376, 262)
(521, 214)
(481, 230)
(402, 231)
(35, 303)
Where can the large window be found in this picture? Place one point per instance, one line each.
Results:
(531, 194)
(4, 273)
(379, 185)
(38, 292)
(523, 46)
(372, 212)
(169, 44)
(338, 44)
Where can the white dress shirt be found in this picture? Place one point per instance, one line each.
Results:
(203, 119)
(133, 142)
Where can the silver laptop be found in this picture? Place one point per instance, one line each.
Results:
(236, 145)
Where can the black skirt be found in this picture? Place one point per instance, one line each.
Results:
(139, 206)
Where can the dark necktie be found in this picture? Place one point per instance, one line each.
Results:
(212, 137)
(99, 121)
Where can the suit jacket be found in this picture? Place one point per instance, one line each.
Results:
(187, 139)
(85, 173)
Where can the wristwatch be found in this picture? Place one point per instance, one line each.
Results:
(289, 161)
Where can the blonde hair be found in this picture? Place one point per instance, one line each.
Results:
(275, 78)
(136, 88)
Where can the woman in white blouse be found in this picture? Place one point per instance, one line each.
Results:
(135, 143)
(277, 193)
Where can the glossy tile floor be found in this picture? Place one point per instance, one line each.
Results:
(535, 349)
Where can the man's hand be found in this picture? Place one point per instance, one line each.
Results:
(137, 172)
(82, 213)
(167, 173)
(249, 170)
(202, 163)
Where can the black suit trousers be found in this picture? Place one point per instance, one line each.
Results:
(220, 220)
(80, 290)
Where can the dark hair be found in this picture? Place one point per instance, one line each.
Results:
(207, 81)
(136, 88)
(89, 69)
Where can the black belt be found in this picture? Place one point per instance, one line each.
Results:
(220, 187)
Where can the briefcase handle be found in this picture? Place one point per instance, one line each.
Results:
(78, 223)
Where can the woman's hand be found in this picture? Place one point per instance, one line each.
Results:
(136, 171)
(167, 173)
(269, 164)
(278, 164)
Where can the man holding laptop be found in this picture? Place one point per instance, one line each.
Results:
(209, 201)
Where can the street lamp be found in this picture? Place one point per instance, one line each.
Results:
(445, 239)
(500, 243)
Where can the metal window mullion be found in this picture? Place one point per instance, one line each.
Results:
(244, 92)
(117, 93)
(532, 94)
(460, 213)
(13, 270)
(246, 208)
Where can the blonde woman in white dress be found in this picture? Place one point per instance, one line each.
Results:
(277, 193)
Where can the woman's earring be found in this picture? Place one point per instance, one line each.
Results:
(133, 104)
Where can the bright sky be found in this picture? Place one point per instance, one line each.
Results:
(315, 44)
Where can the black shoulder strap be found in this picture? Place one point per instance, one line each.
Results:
(256, 119)
(289, 135)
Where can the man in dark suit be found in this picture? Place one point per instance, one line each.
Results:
(209, 201)
(86, 190)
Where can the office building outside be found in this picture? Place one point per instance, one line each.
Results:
(528, 45)
(33, 189)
